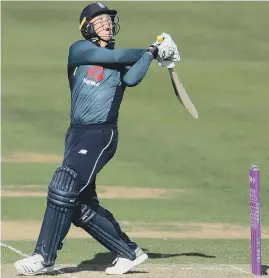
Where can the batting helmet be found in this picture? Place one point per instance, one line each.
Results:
(91, 11)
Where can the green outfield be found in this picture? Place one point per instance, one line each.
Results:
(178, 186)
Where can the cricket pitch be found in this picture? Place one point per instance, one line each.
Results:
(147, 270)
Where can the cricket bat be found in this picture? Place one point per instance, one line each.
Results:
(179, 89)
(181, 93)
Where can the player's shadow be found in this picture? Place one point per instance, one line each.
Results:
(265, 270)
(103, 260)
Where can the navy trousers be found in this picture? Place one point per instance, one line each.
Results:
(87, 150)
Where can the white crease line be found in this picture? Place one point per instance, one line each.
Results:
(241, 270)
(25, 255)
(15, 250)
(207, 268)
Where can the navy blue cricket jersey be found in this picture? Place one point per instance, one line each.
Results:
(98, 77)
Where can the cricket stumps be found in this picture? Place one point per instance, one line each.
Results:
(255, 224)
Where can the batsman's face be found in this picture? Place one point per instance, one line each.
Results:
(103, 26)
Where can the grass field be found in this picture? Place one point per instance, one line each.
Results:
(178, 186)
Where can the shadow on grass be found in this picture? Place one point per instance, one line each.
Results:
(103, 260)
(265, 270)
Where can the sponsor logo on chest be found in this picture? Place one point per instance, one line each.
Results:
(94, 76)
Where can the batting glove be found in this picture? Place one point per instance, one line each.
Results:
(168, 53)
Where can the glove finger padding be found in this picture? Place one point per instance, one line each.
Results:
(165, 63)
(167, 50)
(176, 56)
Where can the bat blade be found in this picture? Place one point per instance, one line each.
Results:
(182, 94)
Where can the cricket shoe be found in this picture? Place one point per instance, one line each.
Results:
(122, 265)
(32, 265)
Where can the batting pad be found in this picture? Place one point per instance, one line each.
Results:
(61, 201)
(101, 229)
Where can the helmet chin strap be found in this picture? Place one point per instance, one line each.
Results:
(110, 43)
(103, 39)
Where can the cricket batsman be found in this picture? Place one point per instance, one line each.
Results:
(98, 75)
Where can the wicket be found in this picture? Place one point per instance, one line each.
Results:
(254, 195)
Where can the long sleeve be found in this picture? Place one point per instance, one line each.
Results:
(137, 72)
(86, 53)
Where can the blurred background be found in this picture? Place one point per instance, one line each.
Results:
(224, 67)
